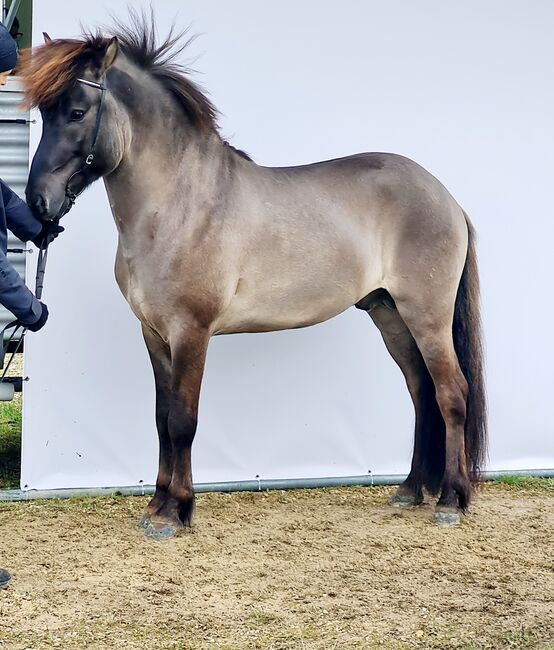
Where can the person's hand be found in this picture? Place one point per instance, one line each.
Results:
(50, 230)
(38, 324)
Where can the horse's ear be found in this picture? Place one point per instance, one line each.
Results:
(110, 55)
(46, 36)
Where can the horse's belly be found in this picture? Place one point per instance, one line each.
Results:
(260, 320)
(277, 310)
(302, 286)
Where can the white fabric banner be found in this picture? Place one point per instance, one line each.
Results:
(465, 89)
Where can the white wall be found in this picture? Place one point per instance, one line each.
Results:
(467, 90)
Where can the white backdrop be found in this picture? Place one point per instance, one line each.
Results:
(467, 90)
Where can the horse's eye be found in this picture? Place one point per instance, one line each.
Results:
(77, 115)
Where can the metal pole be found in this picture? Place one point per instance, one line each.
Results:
(244, 486)
(14, 7)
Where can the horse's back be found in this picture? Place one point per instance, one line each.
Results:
(378, 187)
(385, 205)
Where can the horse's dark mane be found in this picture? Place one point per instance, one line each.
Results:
(240, 152)
(138, 40)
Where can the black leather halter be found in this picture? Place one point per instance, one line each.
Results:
(70, 196)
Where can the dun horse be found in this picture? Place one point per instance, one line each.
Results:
(212, 243)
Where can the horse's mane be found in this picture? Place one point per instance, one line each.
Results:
(51, 69)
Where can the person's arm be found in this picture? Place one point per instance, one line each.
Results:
(16, 296)
(19, 217)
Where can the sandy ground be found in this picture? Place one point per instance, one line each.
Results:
(307, 569)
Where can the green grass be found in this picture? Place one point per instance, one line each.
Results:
(10, 443)
(518, 482)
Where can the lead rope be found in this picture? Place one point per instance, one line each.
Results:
(39, 284)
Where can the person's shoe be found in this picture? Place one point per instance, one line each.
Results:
(5, 578)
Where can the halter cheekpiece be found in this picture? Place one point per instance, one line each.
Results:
(72, 196)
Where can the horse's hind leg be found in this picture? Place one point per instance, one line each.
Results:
(432, 331)
(402, 347)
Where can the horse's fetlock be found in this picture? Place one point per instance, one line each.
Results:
(181, 493)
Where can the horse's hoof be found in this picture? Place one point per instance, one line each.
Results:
(159, 534)
(446, 519)
(5, 579)
(405, 500)
(144, 522)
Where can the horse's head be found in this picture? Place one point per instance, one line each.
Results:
(117, 95)
(66, 80)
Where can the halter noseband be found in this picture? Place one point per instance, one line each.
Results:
(70, 196)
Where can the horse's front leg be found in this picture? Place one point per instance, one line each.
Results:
(160, 357)
(176, 504)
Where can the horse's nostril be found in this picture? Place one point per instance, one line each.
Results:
(40, 205)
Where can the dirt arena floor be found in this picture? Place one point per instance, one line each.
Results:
(326, 569)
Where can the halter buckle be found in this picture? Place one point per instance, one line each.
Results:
(89, 159)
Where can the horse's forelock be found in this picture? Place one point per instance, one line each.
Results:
(50, 69)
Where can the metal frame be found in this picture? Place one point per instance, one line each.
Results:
(14, 8)
(258, 485)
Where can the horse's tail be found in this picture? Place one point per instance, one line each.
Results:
(469, 348)
(466, 332)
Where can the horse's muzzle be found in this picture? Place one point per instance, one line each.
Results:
(40, 206)
(44, 203)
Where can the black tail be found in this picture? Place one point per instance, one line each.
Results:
(468, 346)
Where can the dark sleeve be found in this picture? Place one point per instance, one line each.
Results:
(15, 295)
(19, 218)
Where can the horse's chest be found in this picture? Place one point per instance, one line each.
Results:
(142, 290)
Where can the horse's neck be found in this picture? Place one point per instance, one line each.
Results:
(165, 174)
(167, 164)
